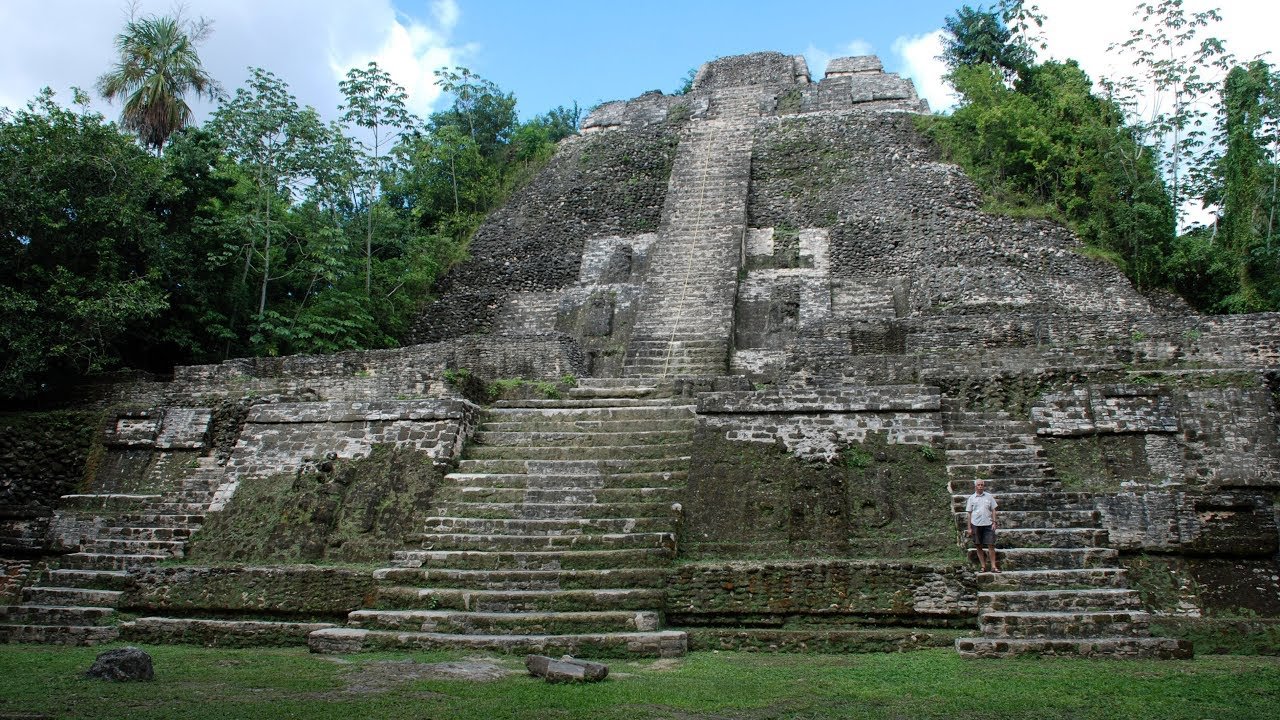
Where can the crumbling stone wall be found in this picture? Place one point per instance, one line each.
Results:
(45, 455)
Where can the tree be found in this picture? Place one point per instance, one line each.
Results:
(480, 109)
(275, 143)
(376, 104)
(981, 37)
(158, 65)
(77, 233)
(1173, 70)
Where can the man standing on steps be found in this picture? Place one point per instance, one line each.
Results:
(982, 523)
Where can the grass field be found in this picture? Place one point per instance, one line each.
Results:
(193, 683)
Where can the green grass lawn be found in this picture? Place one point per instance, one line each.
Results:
(194, 683)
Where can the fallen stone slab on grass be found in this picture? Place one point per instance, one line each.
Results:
(122, 664)
(565, 670)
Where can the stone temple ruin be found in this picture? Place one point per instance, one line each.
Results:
(794, 342)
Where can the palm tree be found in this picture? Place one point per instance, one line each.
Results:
(158, 65)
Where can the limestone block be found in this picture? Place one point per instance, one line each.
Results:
(856, 64)
(184, 428)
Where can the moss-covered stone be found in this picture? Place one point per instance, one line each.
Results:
(356, 511)
(1098, 463)
(1209, 586)
(296, 591)
(1223, 636)
(44, 455)
(878, 500)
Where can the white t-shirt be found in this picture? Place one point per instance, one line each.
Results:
(980, 508)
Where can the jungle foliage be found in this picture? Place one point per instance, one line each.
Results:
(1039, 138)
(266, 231)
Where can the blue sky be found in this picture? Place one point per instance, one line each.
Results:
(558, 52)
(548, 53)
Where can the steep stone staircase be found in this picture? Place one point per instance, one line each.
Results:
(1061, 590)
(552, 535)
(689, 293)
(74, 602)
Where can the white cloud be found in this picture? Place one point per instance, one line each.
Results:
(919, 56)
(308, 43)
(817, 58)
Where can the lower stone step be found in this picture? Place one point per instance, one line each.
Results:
(79, 597)
(524, 579)
(595, 646)
(1105, 577)
(55, 615)
(167, 548)
(1091, 600)
(1147, 648)
(547, 526)
(101, 579)
(1050, 537)
(1118, 623)
(676, 478)
(516, 623)
(58, 634)
(556, 510)
(108, 561)
(1036, 501)
(1051, 558)
(550, 560)
(507, 601)
(1043, 518)
(219, 633)
(517, 543)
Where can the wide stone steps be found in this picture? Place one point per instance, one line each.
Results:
(213, 632)
(961, 443)
(582, 403)
(59, 634)
(151, 533)
(1001, 455)
(671, 478)
(574, 467)
(489, 623)
(1033, 501)
(598, 438)
(683, 422)
(548, 526)
(544, 560)
(33, 614)
(108, 561)
(662, 643)
(525, 543)
(1149, 648)
(586, 392)
(1027, 519)
(159, 520)
(167, 548)
(612, 599)
(599, 496)
(999, 470)
(639, 577)
(1049, 537)
(556, 413)
(1090, 600)
(1066, 624)
(98, 579)
(578, 452)
(1050, 558)
(70, 596)
(1056, 579)
(555, 510)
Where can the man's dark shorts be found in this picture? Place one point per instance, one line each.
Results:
(984, 535)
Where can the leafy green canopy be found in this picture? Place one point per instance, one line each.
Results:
(266, 232)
